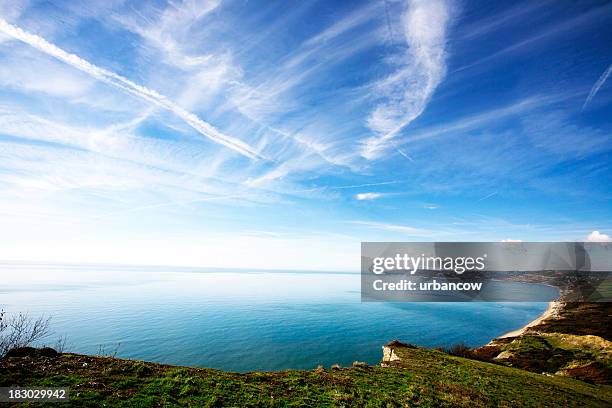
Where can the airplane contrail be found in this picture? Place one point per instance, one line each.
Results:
(130, 87)
(598, 84)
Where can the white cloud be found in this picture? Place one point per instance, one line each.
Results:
(597, 236)
(255, 96)
(511, 240)
(272, 175)
(368, 196)
(24, 74)
(169, 30)
(404, 229)
(406, 92)
(130, 87)
(110, 158)
(209, 80)
(350, 22)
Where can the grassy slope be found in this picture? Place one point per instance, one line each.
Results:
(425, 378)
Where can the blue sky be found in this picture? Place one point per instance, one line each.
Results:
(280, 134)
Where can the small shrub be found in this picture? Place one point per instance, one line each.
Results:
(21, 331)
(460, 350)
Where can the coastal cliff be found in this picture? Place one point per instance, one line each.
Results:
(570, 339)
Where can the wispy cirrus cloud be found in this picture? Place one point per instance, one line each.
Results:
(348, 23)
(130, 87)
(168, 31)
(399, 228)
(518, 12)
(547, 33)
(484, 117)
(222, 76)
(405, 93)
(17, 75)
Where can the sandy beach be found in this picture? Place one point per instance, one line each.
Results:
(550, 311)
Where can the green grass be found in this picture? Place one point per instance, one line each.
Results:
(424, 377)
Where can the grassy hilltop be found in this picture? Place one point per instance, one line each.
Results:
(421, 377)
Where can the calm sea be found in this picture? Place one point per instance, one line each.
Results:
(239, 320)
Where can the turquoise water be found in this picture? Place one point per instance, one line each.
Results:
(241, 321)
